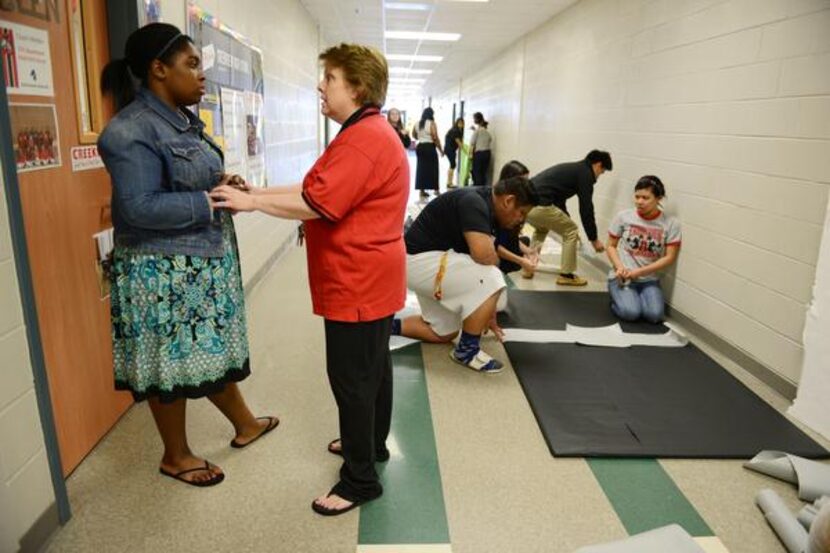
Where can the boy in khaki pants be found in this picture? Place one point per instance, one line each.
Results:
(554, 186)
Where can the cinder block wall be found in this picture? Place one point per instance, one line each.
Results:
(25, 484)
(728, 101)
(288, 37)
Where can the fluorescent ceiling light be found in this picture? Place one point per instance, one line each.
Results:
(399, 70)
(480, 1)
(407, 6)
(409, 57)
(417, 35)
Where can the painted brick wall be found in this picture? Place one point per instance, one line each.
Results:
(25, 485)
(728, 101)
(288, 37)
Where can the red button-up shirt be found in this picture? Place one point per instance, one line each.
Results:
(356, 253)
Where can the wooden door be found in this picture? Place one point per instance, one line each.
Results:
(62, 209)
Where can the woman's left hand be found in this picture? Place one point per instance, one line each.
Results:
(529, 264)
(233, 199)
(634, 274)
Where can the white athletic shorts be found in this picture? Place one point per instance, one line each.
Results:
(465, 286)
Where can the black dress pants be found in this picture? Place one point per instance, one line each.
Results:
(481, 165)
(359, 367)
(511, 242)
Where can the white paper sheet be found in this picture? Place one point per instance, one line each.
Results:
(667, 539)
(606, 336)
(234, 123)
(814, 385)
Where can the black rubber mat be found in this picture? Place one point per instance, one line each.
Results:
(639, 401)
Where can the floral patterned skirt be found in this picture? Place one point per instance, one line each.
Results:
(178, 322)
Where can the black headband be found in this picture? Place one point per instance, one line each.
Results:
(168, 45)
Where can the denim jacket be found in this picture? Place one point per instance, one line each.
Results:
(162, 165)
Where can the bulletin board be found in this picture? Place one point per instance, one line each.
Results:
(232, 107)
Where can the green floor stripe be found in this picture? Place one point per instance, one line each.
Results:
(411, 509)
(645, 497)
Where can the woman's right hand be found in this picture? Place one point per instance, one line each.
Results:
(238, 182)
(622, 274)
(229, 197)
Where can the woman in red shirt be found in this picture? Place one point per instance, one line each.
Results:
(353, 201)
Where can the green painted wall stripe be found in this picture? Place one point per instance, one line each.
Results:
(411, 509)
(645, 497)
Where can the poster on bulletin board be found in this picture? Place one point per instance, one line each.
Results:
(233, 103)
(26, 60)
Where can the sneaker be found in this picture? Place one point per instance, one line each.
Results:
(482, 363)
(571, 280)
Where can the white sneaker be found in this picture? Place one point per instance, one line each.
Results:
(481, 362)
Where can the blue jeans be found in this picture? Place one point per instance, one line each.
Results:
(637, 300)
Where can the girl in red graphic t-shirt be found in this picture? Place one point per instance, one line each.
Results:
(641, 243)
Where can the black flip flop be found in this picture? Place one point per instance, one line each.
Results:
(335, 451)
(379, 457)
(326, 512)
(273, 422)
(199, 484)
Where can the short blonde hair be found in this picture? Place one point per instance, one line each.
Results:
(364, 68)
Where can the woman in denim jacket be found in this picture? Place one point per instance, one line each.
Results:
(178, 312)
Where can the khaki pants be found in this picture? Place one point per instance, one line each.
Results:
(550, 218)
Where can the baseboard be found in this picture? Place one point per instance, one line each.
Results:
(741, 357)
(259, 275)
(41, 531)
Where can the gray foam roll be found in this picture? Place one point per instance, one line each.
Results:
(808, 514)
(789, 531)
(819, 541)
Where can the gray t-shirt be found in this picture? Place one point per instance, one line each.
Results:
(643, 241)
(482, 139)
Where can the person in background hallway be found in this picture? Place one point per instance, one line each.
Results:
(452, 266)
(641, 243)
(555, 185)
(394, 118)
(514, 249)
(481, 144)
(178, 309)
(426, 172)
(452, 145)
(353, 201)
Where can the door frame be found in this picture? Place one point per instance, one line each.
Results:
(27, 297)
